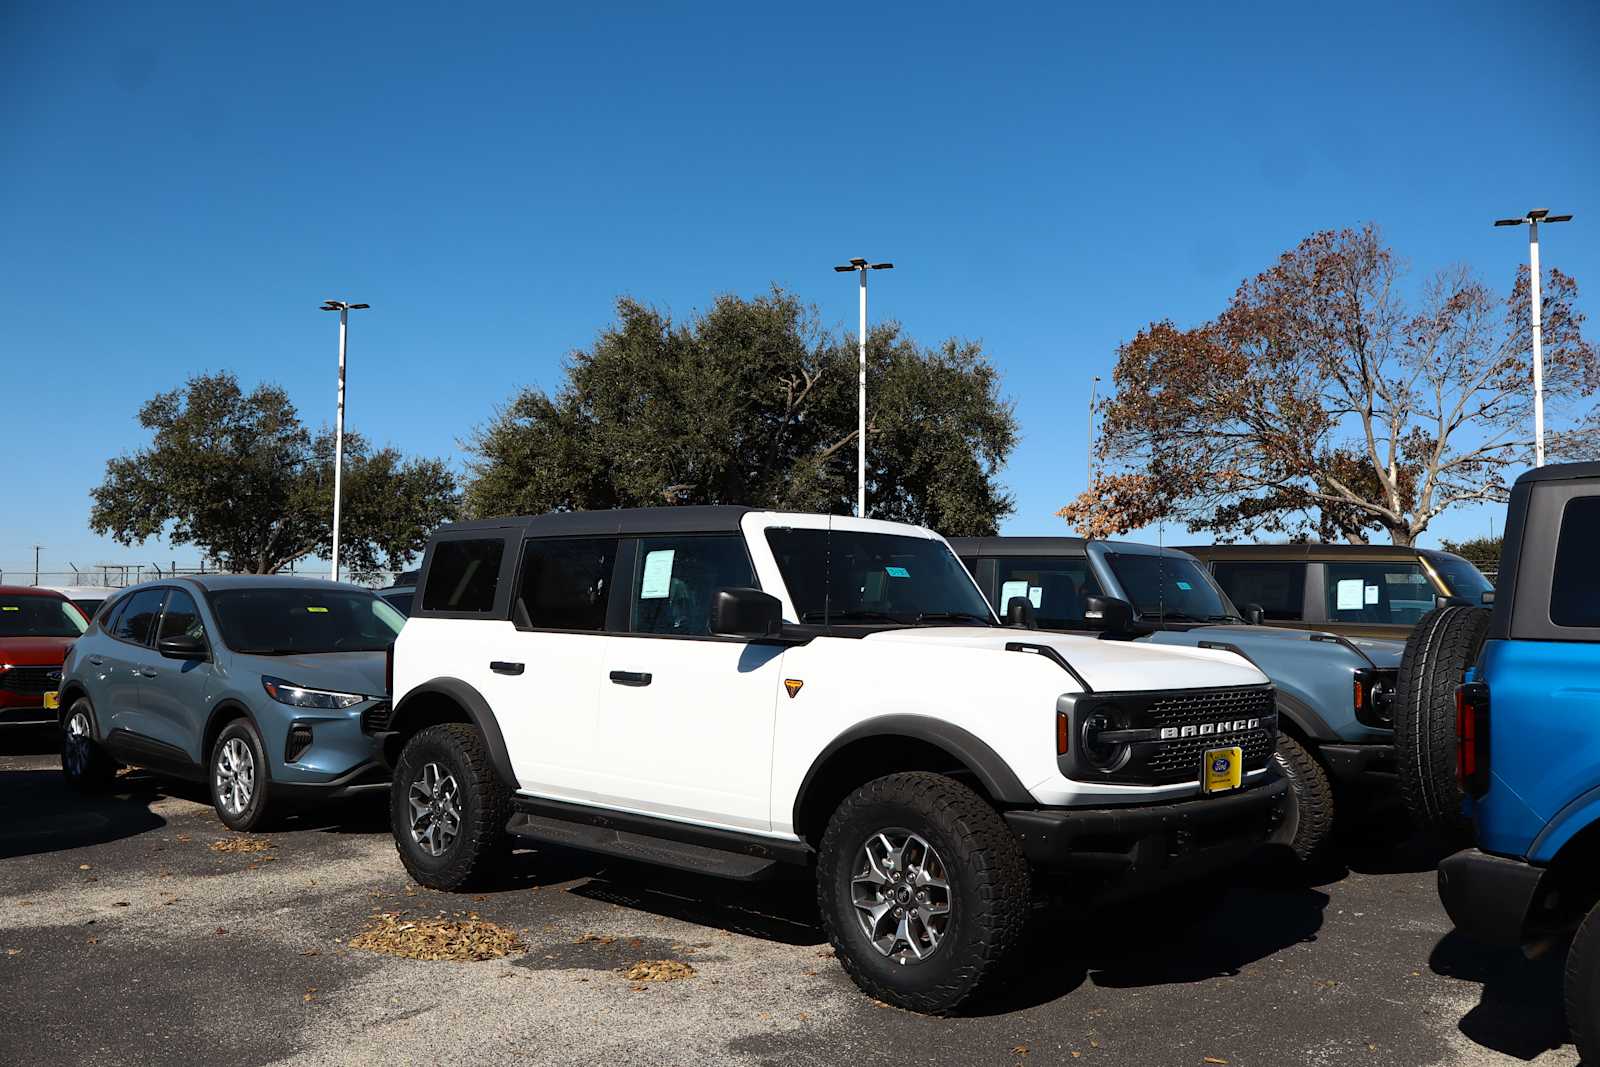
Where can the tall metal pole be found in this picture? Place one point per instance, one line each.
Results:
(1094, 388)
(1538, 351)
(338, 440)
(36, 549)
(861, 411)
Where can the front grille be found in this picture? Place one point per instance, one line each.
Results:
(375, 719)
(31, 679)
(1193, 720)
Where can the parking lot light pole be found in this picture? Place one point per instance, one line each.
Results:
(1532, 220)
(344, 310)
(862, 266)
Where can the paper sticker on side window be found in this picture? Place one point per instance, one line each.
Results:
(897, 572)
(657, 579)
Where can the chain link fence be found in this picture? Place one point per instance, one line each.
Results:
(120, 575)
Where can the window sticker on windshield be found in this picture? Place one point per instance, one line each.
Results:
(1349, 594)
(10, 607)
(897, 572)
(316, 610)
(1372, 594)
(657, 580)
(1185, 586)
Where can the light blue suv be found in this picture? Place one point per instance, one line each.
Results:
(270, 689)
(1333, 693)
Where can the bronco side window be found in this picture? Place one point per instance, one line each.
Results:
(676, 577)
(1575, 590)
(463, 574)
(566, 583)
(1280, 588)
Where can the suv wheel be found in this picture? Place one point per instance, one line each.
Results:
(238, 775)
(1583, 987)
(923, 889)
(84, 763)
(1308, 817)
(448, 807)
(1445, 642)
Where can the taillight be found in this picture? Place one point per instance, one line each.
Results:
(1472, 738)
(388, 670)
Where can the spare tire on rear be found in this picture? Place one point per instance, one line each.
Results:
(1444, 644)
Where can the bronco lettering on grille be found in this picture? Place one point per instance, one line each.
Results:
(1209, 729)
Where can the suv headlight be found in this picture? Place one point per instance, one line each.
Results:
(299, 696)
(1103, 748)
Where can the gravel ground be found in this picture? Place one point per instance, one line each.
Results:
(126, 939)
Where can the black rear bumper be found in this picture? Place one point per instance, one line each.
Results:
(1151, 841)
(1489, 897)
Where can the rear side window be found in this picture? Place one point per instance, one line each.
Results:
(566, 583)
(1378, 592)
(1279, 588)
(138, 619)
(676, 577)
(463, 576)
(1575, 589)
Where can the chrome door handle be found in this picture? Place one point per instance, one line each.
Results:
(635, 678)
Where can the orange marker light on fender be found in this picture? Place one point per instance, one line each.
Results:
(1062, 734)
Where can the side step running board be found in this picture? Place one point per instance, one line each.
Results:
(620, 843)
(682, 846)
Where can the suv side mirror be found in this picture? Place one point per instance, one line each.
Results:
(1442, 601)
(1114, 614)
(1254, 614)
(747, 613)
(1019, 612)
(181, 646)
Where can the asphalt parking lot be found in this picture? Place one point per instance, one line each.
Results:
(125, 938)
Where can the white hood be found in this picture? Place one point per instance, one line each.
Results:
(1108, 666)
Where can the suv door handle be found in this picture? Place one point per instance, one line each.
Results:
(97, 660)
(635, 678)
(149, 672)
(500, 666)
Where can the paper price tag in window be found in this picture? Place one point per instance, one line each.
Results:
(1011, 589)
(1347, 594)
(657, 580)
(1372, 594)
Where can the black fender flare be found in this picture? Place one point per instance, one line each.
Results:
(992, 772)
(477, 709)
(1310, 724)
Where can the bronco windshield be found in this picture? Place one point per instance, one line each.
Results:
(298, 620)
(1172, 588)
(1460, 576)
(39, 616)
(854, 577)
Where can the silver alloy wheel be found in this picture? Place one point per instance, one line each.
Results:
(435, 801)
(901, 891)
(75, 749)
(236, 776)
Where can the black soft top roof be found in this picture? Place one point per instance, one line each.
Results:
(708, 518)
(1559, 472)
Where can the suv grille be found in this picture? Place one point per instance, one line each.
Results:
(31, 679)
(375, 719)
(1202, 719)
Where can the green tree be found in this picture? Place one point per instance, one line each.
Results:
(239, 476)
(753, 403)
(1481, 552)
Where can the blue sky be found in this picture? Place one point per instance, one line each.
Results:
(181, 186)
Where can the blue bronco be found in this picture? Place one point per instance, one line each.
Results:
(1499, 717)
(1335, 735)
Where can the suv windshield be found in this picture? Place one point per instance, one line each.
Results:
(1460, 575)
(290, 621)
(1169, 587)
(855, 577)
(39, 616)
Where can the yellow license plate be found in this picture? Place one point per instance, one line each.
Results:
(1223, 770)
(52, 700)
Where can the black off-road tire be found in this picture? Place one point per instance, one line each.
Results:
(1308, 817)
(1583, 987)
(259, 812)
(1445, 642)
(87, 766)
(477, 851)
(987, 874)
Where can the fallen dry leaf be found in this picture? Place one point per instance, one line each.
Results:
(242, 844)
(1215, 1059)
(603, 939)
(437, 939)
(120, 904)
(658, 971)
(84, 867)
(1019, 1050)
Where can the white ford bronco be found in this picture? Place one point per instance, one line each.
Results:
(726, 690)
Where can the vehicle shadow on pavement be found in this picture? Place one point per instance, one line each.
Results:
(781, 909)
(1134, 945)
(1519, 1012)
(59, 818)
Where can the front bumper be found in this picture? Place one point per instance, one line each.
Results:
(1489, 897)
(25, 709)
(1350, 762)
(1151, 842)
(370, 777)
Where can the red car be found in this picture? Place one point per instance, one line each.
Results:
(37, 626)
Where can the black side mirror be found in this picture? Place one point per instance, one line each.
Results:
(747, 613)
(1113, 614)
(1019, 612)
(1254, 614)
(1442, 601)
(182, 646)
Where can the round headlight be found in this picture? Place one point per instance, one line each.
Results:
(1104, 755)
